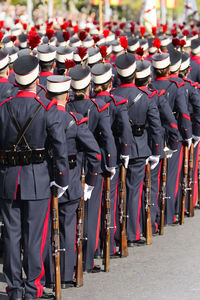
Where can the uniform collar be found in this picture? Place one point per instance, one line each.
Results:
(11, 71)
(104, 93)
(2, 79)
(28, 94)
(173, 76)
(46, 73)
(162, 78)
(127, 84)
(61, 107)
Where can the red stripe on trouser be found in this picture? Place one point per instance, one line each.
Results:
(178, 172)
(195, 190)
(99, 219)
(17, 182)
(116, 194)
(139, 209)
(159, 182)
(38, 285)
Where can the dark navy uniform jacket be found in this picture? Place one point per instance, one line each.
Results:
(175, 94)
(99, 124)
(143, 112)
(6, 89)
(11, 77)
(47, 127)
(193, 100)
(80, 139)
(120, 124)
(43, 78)
(195, 68)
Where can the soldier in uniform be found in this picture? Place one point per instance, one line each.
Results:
(82, 146)
(31, 122)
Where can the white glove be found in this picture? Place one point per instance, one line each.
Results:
(112, 171)
(196, 140)
(125, 160)
(88, 191)
(61, 189)
(189, 141)
(154, 160)
(168, 152)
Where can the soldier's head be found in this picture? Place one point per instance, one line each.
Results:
(81, 78)
(13, 55)
(58, 88)
(126, 67)
(161, 63)
(46, 56)
(143, 73)
(185, 65)
(4, 64)
(175, 59)
(102, 77)
(26, 70)
(195, 47)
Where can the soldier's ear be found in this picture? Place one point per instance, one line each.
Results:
(37, 81)
(135, 75)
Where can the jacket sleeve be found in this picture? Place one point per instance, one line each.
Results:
(194, 101)
(55, 129)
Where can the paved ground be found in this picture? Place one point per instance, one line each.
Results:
(168, 269)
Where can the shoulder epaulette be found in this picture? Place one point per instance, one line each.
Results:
(118, 100)
(98, 107)
(178, 84)
(6, 100)
(78, 118)
(150, 94)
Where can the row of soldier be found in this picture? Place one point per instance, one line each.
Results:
(100, 105)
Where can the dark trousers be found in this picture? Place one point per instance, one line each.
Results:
(26, 223)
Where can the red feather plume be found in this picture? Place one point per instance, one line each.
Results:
(76, 29)
(87, 30)
(157, 43)
(64, 26)
(66, 35)
(176, 42)
(1, 36)
(70, 23)
(103, 51)
(185, 32)
(154, 30)
(69, 64)
(140, 51)
(96, 39)
(181, 27)
(13, 38)
(164, 28)
(37, 27)
(132, 28)
(174, 25)
(182, 43)
(142, 30)
(110, 27)
(2, 23)
(95, 22)
(194, 32)
(82, 35)
(24, 26)
(16, 21)
(117, 33)
(50, 33)
(192, 26)
(81, 51)
(114, 23)
(121, 26)
(124, 42)
(106, 33)
(33, 39)
(174, 32)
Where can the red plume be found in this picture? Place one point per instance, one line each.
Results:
(164, 28)
(2, 23)
(82, 35)
(69, 64)
(176, 42)
(117, 33)
(174, 32)
(110, 27)
(76, 29)
(106, 33)
(50, 33)
(64, 26)
(95, 22)
(140, 51)
(154, 30)
(33, 39)
(66, 35)
(194, 32)
(87, 30)
(185, 32)
(81, 51)
(181, 27)
(192, 26)
(13, 38)
(157, 43)
(174, 25)
(16, 21)
(124, 42)
(37, 27)
(121, 26)
(142, 30)
(114, 23)
(103, 51)
(1, 36)
(24, 26)
(8, 28)
(182, 43)
(96, 39)
(132, 28)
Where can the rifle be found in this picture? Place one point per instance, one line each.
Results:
(184, 186)
(122, 214)
(107, 226)
(80, 224)
(190, 181)
(55, 241)
(199, 182)
(163, 193)
(148, 204)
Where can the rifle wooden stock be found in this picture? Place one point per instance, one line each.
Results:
(163, 193)
(190, 181)
(184, 186)
(55, 239)
(107, 226)
(80, 224)
(148, 204)
(122, 210)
